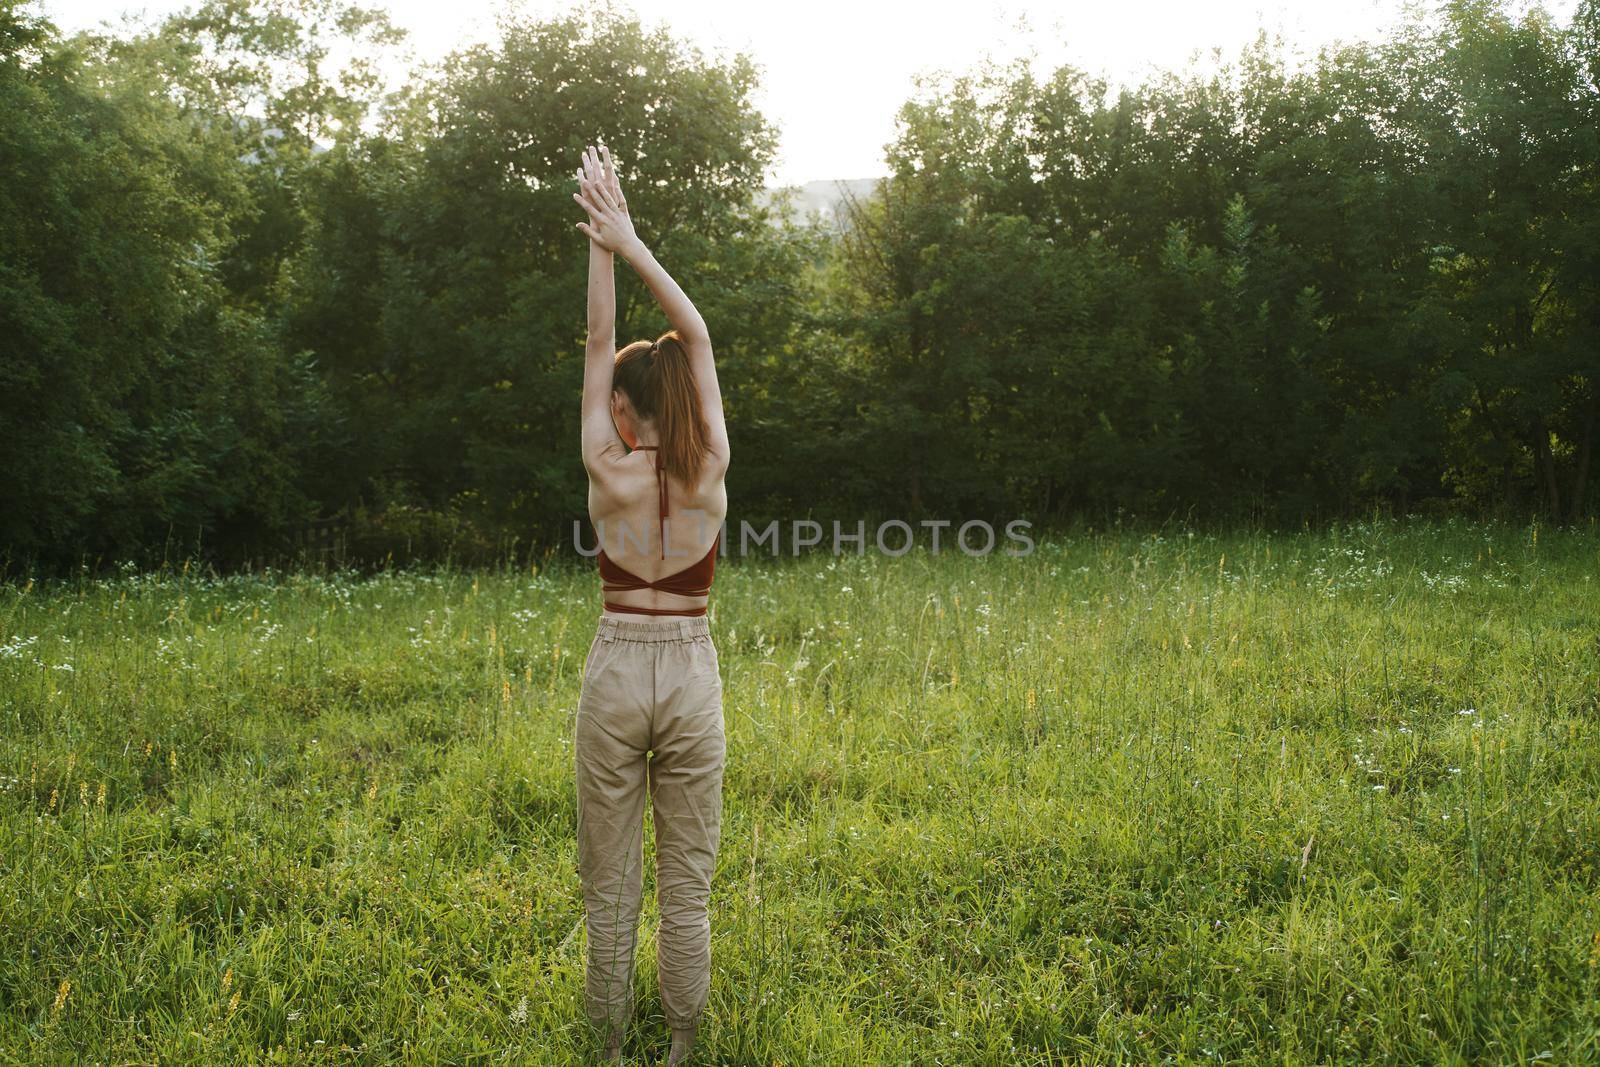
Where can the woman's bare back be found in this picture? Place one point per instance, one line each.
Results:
(625, 511)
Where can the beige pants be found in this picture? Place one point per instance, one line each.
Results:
(650, 712)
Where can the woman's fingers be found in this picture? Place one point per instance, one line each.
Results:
(611, 178)
(585, 179)
(586, 173)
(598, 191)
(594, 192)
(598, 181)
(595, 213)
(598, 176)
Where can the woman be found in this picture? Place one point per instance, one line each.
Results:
(656, 448)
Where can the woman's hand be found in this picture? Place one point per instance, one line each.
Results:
(609, 225)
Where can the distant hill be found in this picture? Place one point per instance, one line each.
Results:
(817, 201)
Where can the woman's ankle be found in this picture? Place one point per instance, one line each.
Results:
(683, 1042)
(611, 1042)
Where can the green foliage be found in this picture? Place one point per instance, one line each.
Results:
(139, 402)
(1277, 292)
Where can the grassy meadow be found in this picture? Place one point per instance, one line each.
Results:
(1139, 797)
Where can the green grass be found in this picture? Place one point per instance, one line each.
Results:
(1135, 798)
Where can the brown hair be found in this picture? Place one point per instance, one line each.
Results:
(660, 386)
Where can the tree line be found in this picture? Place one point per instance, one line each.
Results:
(258, 306)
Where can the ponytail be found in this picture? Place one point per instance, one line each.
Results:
(657, 379)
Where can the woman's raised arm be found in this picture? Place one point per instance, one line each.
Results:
(696, 342)
(599, 433)
(611, 227)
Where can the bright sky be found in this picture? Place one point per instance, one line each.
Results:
(835, 71)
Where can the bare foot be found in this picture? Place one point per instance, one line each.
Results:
(682, 1046)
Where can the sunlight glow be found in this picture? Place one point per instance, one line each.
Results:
(836, 72)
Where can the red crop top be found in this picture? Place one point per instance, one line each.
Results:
(693, 580)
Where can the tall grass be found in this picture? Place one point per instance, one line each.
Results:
(1137, 797)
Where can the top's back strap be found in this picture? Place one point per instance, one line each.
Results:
(661, 523)
(661, 482)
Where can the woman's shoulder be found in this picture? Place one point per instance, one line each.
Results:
(622, 475)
